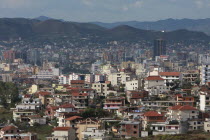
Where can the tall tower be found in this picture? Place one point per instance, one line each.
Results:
(159, 48)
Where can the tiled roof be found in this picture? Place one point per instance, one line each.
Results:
(79, 94)
(67, 106)
(153, 78)
(44, 93)
(77, 81)
(169, 73)
(62, 128)
(152, 113)
(73, 118)
(179, 107)
(9, 127)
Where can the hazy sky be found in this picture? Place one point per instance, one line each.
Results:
(106, 10)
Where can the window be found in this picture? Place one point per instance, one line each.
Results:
(193, 111)
(134, 132)
(6, 137)
(134, 126)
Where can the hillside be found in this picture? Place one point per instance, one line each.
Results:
(201, 25)
(31, 29)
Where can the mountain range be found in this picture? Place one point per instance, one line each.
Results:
(202, 25)
(36, 29)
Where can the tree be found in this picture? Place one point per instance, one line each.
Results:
(8, 94)
(92, 112)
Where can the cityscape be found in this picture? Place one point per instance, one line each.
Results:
(93, 74)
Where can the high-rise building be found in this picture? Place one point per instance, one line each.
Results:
(205, 74)
(9, 55)
(34, 57)
(159, 47)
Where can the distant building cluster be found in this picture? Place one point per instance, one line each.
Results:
(124, 93)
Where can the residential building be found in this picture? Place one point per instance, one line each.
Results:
(63, 133)
(170, 77)
(182, 113)
(132, 85)
(129, 129)
(152, 81)
(119, 78)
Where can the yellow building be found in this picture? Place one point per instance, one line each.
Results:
(33, 89)
(82, 126)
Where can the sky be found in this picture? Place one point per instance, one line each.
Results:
(106, 10)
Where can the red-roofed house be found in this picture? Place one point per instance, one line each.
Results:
(134, 97)
(50, 111)
(151, 117)
(80, 100)
(72, 121)
(43, 95)
(78, 83)
(63, 133)
(182, 113)
(64, 109)
(170, 77)
(8, 130)
(152, 81)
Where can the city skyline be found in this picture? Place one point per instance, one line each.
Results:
(106, 11)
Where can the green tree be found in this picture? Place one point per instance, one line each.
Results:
(8, 94)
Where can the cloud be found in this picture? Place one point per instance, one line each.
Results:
(136, 4)
(199, 3)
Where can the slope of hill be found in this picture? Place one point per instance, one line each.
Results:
(201, 25)
(54, 29)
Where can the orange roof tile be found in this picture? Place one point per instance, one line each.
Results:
(9, 127)
(77, 81)
(79, 94)
(73, 118)
(179, 107)
(152, 113)
(153, 78)
(44, 93)
(62, 128)
(67, 106)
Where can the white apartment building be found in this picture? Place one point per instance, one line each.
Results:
(205, 74)
(99, 77)
(93, 133)
(73, 76)
(101, 88)
(132, 85)
(119, 78)
(63, 79)
(182, 113)
(156, 90)
(204, 101)
(152, 81)
(204, 58)
(170, 77)
(44, 74)
(90, 78)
